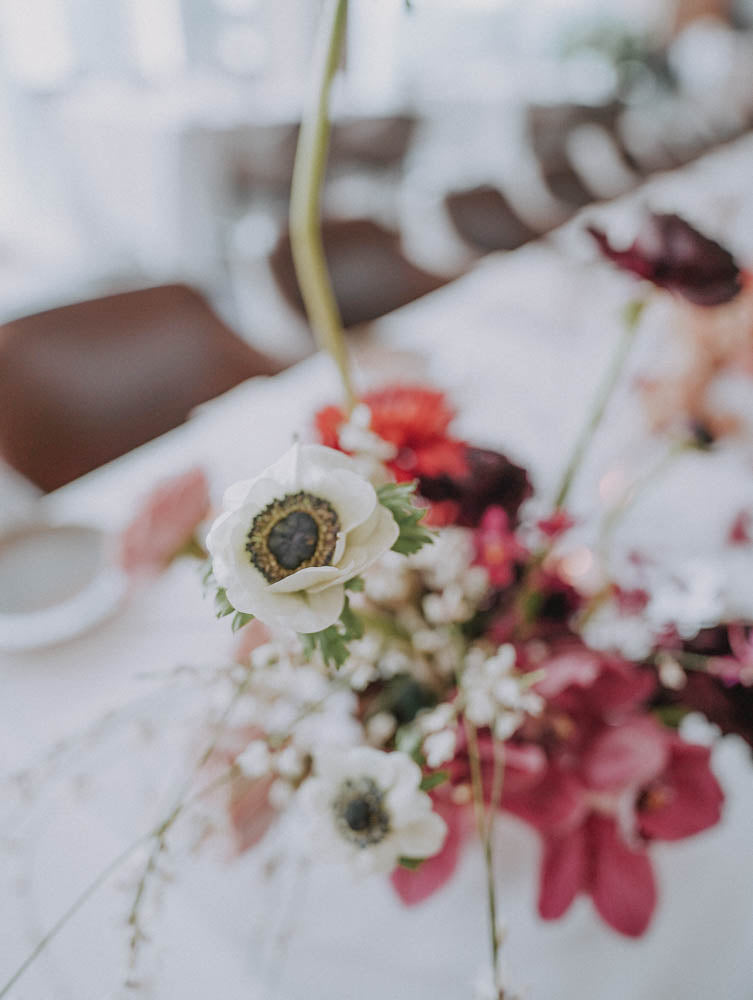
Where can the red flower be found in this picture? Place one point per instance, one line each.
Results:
(415, 421)
(739, 531)
(497, 548)
(556, 524)
(673, 255)
(459, 480)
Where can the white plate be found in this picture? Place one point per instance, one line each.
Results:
(55, 582)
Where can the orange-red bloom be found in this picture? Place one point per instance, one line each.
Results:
(459, 480)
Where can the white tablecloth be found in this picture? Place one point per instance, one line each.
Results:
(519, 343)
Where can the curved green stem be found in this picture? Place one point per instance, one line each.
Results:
(636, 491)
(485, 824)
(305, 209)
(631, 319)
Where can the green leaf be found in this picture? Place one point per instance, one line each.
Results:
(240, 618)
(207, 576)
(434, 780)
(671, 715)
(398, 499)
(222, 605)
(330, 643)
(410, 863)
(333, 642)
(352, 624)
(356, 584)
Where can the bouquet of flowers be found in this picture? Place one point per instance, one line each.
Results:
(416, 653)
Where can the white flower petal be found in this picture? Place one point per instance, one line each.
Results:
(423, 838)
(302, 611)
(352, 496)
(312, 598)
(367, 543)
(319, 456)
(254, 493)
(304, 579)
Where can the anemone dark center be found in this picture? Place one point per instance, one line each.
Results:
(292, 533)
(360, 814)
(293, 539)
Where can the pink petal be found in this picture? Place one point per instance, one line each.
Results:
(579, 666)
(415, 886)
(689, 796)
(250, 813)
(165, 523)
(563, 873)
(632, 754)
(622, 880)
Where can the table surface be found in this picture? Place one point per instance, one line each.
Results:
(519, 344)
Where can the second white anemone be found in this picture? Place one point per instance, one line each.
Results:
(290, 539)
(368, 809)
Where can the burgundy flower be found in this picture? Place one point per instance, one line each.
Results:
(598, 808)
(585, 683)
(489, 479)
(673, 255)
(718, 693)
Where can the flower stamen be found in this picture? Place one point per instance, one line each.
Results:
(295, 532)
(359, 811)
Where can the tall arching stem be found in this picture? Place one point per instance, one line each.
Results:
(305, 197)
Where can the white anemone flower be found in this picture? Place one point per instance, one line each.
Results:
(368, 810)
(290, 539)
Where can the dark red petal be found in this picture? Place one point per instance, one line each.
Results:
(630, 755)
(554, 805)
(563, 873)
(689, 795)
(622, 880)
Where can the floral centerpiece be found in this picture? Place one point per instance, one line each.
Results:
(414, 654)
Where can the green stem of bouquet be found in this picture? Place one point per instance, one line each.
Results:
(631, 318)
(637, 490)
(616, 515)
(305, 198)
(485, 825)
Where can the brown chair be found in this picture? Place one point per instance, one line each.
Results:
(485, 219)
(370, 274)
(82, 384)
